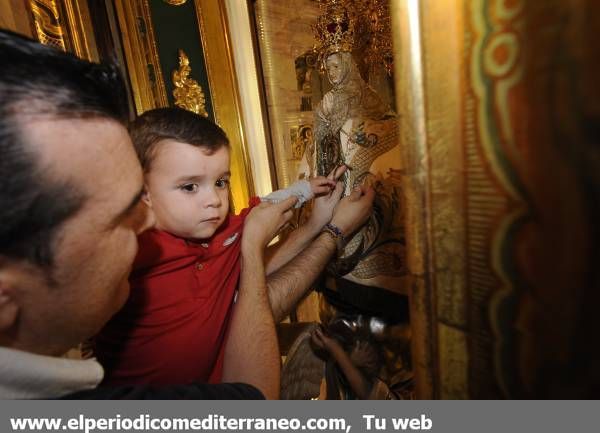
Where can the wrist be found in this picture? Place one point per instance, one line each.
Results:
(251, 248)
(314, 226)
(335, 230)
(336, 237)
(335, 222)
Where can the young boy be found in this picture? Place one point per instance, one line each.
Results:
(184, 279)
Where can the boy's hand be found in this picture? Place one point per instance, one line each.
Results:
(265, 221)
(354, 210)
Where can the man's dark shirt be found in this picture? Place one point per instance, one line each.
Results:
(199, 391)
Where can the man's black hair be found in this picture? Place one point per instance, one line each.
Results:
(40, 80)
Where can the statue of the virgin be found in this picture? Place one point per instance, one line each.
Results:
(364, 302)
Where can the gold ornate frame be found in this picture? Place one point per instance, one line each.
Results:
(214, 29)
(428, 84)
(65, 24)
(141, 54)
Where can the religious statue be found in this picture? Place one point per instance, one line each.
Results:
(365, 283)
(355, 128)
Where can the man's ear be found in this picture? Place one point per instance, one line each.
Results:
(9, 309)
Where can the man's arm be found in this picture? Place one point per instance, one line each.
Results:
(291, 283)
(280, 254)
(251, 351)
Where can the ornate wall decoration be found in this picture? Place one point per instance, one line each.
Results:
(499, 179)
(188, 93)
(496, 203)
(46, 22)
(376, 27)
(65, 25)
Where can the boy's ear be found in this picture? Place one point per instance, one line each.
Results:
(146, 197)
(9, 310)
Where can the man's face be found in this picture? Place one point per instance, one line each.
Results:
(94, 248)
(188, 189)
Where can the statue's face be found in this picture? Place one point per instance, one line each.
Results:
(334, 67)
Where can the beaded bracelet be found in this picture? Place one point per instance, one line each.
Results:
(337, 235)
(335, 230)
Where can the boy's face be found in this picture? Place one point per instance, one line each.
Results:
(188, 189)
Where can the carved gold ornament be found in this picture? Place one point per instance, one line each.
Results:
(188, 94)
(175, 2)
(376, 28)
(47, 23)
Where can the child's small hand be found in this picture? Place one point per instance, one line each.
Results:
(321, 185)
(264, 222)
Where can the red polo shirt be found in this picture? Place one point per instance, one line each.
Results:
(173, 327)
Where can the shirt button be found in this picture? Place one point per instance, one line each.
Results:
(199, 266)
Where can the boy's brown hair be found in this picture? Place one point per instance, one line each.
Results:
(175, 124)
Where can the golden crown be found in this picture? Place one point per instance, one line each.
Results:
(334, 30)
(348, 25)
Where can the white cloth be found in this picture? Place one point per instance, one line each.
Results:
(300, 189)
(25, 375)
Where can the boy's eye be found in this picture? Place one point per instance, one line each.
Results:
(189, 187)
(222, 183)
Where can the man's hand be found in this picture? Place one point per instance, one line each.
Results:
(265, 221)
(321, 185)
(354, 210)
(324, 205)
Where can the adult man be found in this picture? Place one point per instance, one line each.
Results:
(70, 211)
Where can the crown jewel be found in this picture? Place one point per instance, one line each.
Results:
(349, 25)
(334, 30)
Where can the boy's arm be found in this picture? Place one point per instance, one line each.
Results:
(251, 351)
(290, 284)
